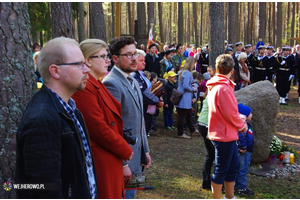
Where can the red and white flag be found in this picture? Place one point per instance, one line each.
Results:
(150, 38)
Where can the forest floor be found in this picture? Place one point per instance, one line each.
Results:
(176, 170)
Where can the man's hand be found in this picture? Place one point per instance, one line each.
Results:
(149, 161)
(127, 174)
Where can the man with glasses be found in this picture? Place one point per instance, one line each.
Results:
(126, 90)
(53, 146)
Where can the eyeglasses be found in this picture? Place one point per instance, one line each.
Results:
(104, 57)
(129, 55)
(80, 65)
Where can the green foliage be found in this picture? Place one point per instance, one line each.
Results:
(39, 14)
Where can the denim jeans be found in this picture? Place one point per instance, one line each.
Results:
(168, 115)
(226, 162)
(130, 194)
(241, 176)
(209, 157)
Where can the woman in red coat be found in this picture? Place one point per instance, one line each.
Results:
(102, 115)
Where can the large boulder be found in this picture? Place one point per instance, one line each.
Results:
(263, 99)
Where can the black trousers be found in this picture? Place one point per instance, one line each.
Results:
(148, 119)
(259, 75)
(209, 158)
(282, 82)
(184, 114)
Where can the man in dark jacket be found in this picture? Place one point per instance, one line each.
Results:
(53, 146)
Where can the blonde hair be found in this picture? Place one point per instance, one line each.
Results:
(35, 56)
(54, 52)
(188, 65)
(90, 46)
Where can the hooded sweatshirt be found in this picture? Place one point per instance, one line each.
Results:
(224, 120)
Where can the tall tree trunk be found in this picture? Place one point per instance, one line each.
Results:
(61, 19)
(226, 20)
(216, 41)
(195, 23)
(269, 23)
(287, 22)
(273, 23)
(113, 19)
(262, 20)
(81, 36)
(141, 16)
(237, 26)
(180, 22)
(17, 83)
(292, 42)
(252, 23)
(279, 24)
(170, 23)
(150, 12)
(98, 21)
(160, 15)
(188, 24)
(175, 22)
(130, 18)
(201, 24)
(249, 29)
(232, 22)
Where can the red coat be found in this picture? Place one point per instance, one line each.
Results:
(102, 115)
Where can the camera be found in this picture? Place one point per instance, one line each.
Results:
(127, 134)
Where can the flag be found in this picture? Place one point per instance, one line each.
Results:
(150, 38)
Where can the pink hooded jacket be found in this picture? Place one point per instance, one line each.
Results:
(224, 121)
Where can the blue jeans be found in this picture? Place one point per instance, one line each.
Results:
(168, 115)
(241, 176)
(226, 162)
(130, 194)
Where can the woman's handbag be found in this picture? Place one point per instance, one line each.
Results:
(176, 96)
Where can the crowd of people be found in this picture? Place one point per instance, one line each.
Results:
(74, 132)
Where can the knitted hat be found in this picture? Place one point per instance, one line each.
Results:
(169, 68)
(243, 109)
(242, 56)
(206, 76)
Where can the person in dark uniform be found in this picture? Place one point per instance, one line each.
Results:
(272, 59)
(297, 67)
(238, 49)
(204, 60)
(284, 64)
(251, 60)
(289, 49)
(260, 71)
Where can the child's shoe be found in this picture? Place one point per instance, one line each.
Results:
(169, 128)
(173, 127)
(245, 191)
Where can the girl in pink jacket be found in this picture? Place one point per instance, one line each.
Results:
(224, 122)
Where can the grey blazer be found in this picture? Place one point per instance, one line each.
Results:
(132, 113)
